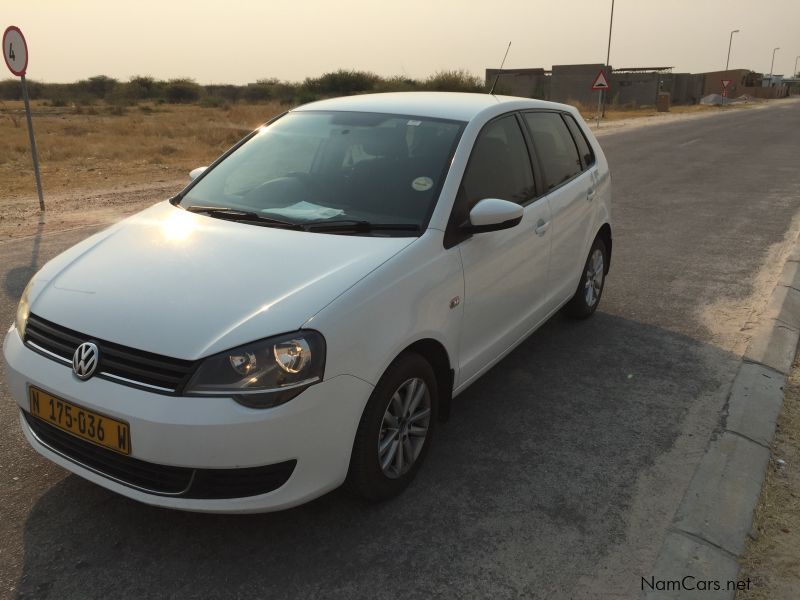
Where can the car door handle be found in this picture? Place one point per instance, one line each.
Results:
(541, 227)
(591, 194)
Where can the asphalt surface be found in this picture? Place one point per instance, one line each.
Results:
(559, 470)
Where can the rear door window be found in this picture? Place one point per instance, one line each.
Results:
(554, 146)
(584, 148)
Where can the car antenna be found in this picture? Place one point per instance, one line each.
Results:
(491, 91)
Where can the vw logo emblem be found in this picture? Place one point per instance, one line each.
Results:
(84, 361)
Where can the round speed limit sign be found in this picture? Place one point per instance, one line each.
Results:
(15, 51)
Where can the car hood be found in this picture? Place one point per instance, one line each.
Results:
(187, 285)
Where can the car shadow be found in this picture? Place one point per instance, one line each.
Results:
(528, 486)
(18, 277)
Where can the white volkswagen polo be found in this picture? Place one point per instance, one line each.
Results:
(303, 312)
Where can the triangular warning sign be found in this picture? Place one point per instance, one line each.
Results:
(725, 83)
(600, 82)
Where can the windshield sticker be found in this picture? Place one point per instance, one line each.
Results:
(414, 123)
(422, 184)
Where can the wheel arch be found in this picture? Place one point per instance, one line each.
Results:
(436, 354)
(605, 234)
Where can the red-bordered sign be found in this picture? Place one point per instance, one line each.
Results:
(15, 51)
(601, 81)
(726, 83)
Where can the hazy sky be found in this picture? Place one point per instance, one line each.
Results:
(237, 41)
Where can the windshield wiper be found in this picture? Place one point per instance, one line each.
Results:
(244, 216)
(356, 226)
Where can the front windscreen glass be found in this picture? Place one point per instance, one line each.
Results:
(335, 166)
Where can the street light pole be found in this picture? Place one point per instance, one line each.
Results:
(608, 58)
(728, 62)
(795, 66)
(774, 50)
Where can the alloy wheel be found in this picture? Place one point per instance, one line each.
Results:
(404, 428)
(593, 282)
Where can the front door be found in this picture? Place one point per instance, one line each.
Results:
(505, 272)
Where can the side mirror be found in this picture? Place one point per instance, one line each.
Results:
(492, 214)
(194, 173)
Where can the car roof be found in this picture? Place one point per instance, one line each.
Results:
(440, 105)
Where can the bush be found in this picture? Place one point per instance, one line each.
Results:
(10, 89)
(454, 81)
(227, 92)
(141, 87)
(97, 87)
(182, 91)
(341, 83)
(213, 102)
(257, 92)
(396, 84)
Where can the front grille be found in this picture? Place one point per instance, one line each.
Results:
(128, 366)
(162, 480)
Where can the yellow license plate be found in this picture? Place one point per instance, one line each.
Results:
(80, 422)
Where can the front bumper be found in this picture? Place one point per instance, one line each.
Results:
(316, 429)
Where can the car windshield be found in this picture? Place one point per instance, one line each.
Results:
(314, 167)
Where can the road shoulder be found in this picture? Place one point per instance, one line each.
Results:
(710, 528)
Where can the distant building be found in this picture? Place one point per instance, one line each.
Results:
(630, 86)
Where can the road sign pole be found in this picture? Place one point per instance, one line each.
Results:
(599, 106)
(33, 142)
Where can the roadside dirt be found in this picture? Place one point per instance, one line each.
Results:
(626, 124)
(772, 559)
(20, 217)
(119, 197)
(724, 317)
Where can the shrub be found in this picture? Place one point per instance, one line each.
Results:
(213, 102)
(182, 91)
(454, 81)
(141, 87)
(97, 87)
(396, 84)
(341, 83)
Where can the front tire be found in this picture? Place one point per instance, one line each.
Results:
(593, 279)
(395, 430)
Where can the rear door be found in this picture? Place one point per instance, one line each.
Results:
(505, 272)
(569, 186)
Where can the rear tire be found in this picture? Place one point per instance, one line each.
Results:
(395, 430)
(593, 279)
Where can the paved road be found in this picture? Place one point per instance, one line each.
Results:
(558, 472)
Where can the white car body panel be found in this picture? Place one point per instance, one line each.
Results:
(504, 274)
(168, 252)
(189, 286)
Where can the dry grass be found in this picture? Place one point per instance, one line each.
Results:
(88, 148)
(772, 559)
(616, 113)
(91, 148)
(102, 162)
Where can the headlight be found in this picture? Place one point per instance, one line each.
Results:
(263, 374)
(23, 311)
